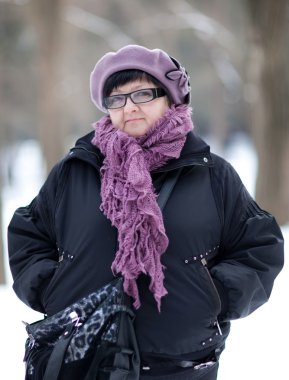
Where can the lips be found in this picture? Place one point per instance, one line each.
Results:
(132, 120)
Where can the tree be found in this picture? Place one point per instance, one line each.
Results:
(269, 73)
(2, 268)
(46, 20)
(3, 143)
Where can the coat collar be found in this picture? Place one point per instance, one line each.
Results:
(194, 152)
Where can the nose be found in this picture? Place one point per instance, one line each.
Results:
(130, 106)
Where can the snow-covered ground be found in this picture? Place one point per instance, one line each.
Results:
(257, 346)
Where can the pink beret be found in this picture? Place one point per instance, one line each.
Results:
(154, 62)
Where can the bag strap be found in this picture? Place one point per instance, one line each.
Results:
(167, 187)
(57, 356)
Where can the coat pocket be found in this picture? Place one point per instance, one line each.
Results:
(64, 259)
(211, 285)
(201, 264)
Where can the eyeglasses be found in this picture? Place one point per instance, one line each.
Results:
(140, 96)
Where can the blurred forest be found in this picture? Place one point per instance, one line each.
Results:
(236, 52)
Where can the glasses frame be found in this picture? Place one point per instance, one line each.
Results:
(156, 93)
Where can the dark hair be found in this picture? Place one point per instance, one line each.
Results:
(123, 77)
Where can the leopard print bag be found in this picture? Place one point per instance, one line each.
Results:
(90, 339)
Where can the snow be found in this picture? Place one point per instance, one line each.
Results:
(255, 347)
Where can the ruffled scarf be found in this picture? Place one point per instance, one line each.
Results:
(129, 199)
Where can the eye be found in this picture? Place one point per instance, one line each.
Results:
(114, 101)
(143, 95)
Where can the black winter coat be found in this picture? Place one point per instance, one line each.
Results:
(223, 256)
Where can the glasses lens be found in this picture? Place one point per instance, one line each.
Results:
(142, 96)
(115, 101)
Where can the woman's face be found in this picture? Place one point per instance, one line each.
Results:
(137, 119)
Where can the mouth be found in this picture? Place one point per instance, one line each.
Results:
(132, 120)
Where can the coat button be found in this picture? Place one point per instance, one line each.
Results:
(205, 159)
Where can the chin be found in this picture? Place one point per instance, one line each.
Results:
(137, 133)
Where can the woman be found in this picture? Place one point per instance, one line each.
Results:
(209, 257)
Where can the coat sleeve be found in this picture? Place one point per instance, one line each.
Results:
(33, 255)
(252, 251)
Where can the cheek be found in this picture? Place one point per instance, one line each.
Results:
(161, 111)
(116, 119)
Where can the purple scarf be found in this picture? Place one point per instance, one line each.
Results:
(129, 199)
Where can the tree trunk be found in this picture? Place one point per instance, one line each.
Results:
(2, 261)
(46, 20)
(3, 142)
(270, 113)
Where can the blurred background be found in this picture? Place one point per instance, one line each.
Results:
(236, 53)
